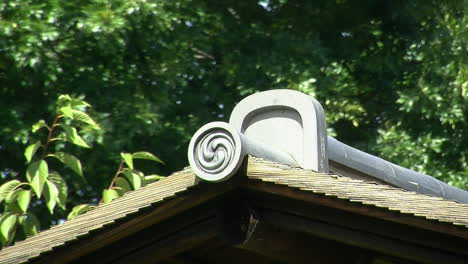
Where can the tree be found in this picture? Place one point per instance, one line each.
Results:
(44, 187)
(391, 75)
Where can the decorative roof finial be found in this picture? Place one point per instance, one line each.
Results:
(285, 126)
(288, 127)
(286, 120)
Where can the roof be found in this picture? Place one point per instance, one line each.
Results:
(158, 201)
(100, 217)
(363, 192)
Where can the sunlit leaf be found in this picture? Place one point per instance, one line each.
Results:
(109, 195)
(78, 210)
(70, 161)
(51, 194)
(36, 174)
(123, 183)
(152, 178)
(127, 157)
(7, 188)
(11, 201)
(119, 190)
(7, 225)
(62, 187)
(23, 199)
(13, 195)
(79, 103)
(83, 117)
(31, 150)
(146, 155)
(73, 136)
(63, 99)
(134, 179)
(38, 125)
(67, 111)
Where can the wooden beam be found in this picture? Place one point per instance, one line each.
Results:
(74, 250)
(287, 246)
(225, 218)
(152, 234)
(216, 251)
(234, 216)
(358, 208)
(225, 214)
(384, 245)
(175, 243)
(417, 236)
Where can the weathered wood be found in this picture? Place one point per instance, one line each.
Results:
(120, 230)
(216, 251)
(95, 220)
(358, 208)
(225, 218)
(358, 196)
(288, 246)
(177, 242)
(384, 245)
(381, 207)
(233, 218)
(358, 222)
(229, 217)
(152, 234)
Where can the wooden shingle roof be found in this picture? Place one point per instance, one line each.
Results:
(98, 218)
(364, 192)
(154, 202)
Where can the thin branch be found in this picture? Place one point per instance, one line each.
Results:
(114, 179)
(49, 136)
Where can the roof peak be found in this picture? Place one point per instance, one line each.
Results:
(289, 127)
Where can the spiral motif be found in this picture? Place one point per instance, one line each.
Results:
(215, 151)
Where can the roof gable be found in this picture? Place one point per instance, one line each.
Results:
(181, 191)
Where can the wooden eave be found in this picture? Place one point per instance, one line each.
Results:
(180, 214)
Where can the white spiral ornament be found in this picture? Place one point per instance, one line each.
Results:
(215, 151)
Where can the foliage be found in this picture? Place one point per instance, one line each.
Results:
(391, 75)
(125, 179)
(43, 185)
(46, 186)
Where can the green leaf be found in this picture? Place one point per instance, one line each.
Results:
(38, 125)
(70, 161)
(79, 103)
(152, 178)
(51, 194)
(24, 197)
(127, 157)
(109, 195)
(67, 111)
(31, 150)
(146, 155)
(83, 117)
(134, 179)
(73, 136)
(7, 188)
(36, 174)
(119, 191)
(7, 226)
(121, 182)
(30, 224)
(77, 210)
(11, 204)
(63, 100)
(62, 188)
